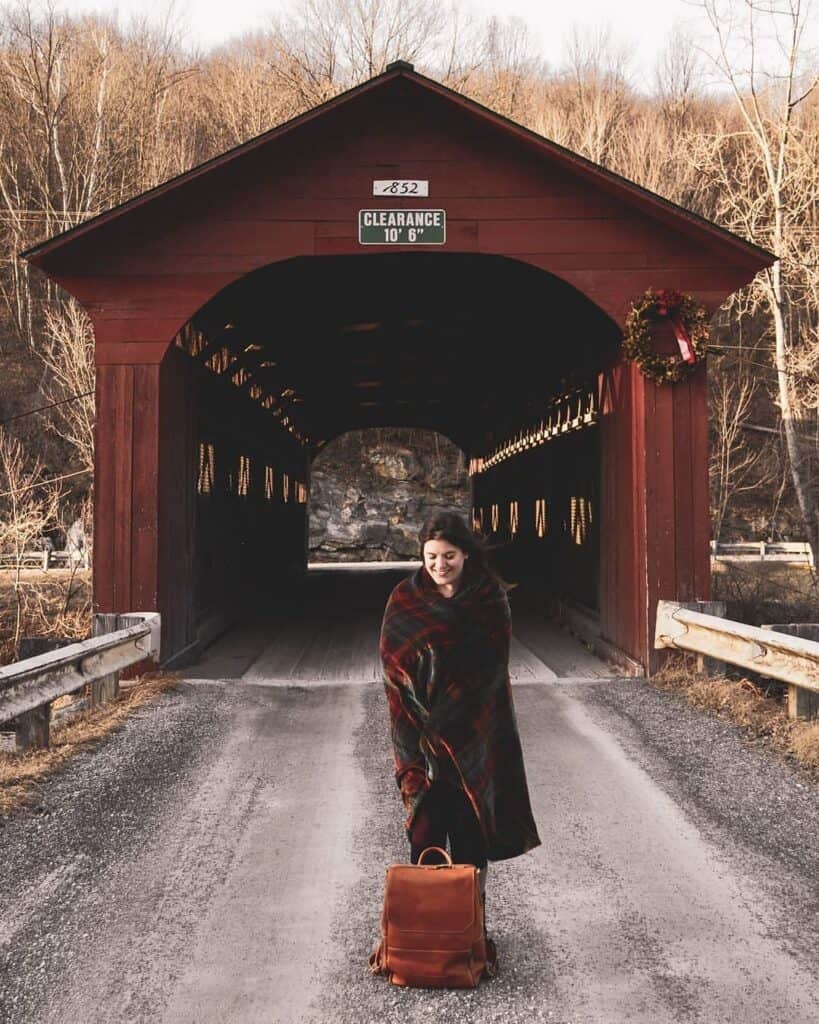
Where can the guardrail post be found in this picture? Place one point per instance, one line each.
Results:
(106, 688)
(802, 703)
(710, 666)
(33, 727)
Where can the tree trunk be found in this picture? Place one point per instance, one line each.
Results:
(796, 458)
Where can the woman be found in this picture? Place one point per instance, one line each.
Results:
(445, 653)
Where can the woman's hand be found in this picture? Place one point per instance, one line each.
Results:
(411, 784)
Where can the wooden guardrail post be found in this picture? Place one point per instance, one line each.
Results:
(802, 703)
(710, 666)
(106, 688)
(33, 728)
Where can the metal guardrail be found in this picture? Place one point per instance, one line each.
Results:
(764, 551)
(791, 659)
(28, 687)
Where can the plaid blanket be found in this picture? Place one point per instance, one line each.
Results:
(446, 676)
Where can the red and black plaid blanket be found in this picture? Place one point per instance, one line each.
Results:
(446, 676)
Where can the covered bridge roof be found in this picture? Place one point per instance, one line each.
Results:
(401, 76)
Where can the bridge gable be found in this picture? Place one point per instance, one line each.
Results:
(144, 269)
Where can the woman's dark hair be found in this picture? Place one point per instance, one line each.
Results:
(451, 527)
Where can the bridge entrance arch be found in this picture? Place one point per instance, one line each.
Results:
(248, 311)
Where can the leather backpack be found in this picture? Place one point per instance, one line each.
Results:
(432, 926)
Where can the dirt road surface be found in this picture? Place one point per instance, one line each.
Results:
(221, 859)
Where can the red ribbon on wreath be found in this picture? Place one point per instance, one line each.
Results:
(683, 340)
(669, 299)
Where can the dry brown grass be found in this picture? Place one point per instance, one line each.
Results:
(746, 704)
(22, 773)
(762, 592)
(54, 603)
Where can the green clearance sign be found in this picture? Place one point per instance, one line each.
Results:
(401, 227)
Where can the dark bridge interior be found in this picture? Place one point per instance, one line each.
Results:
(468, 345)
(493, 353)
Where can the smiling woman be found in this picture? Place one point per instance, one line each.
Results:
(445, 652)
(445, 564)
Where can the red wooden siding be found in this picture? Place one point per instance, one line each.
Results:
(302, 197)
(126, 511)
(178, 467)
(145, 271)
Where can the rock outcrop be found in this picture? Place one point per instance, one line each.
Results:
(371, 490)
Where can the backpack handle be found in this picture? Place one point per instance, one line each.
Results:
(440, 850)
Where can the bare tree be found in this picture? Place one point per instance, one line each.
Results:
(324, 46)
(733, 462)
(244, 96)
(505, 74)
(86, 121)
(30, 507)
(760, 192)
(597, 77)
(68, 356)
(678, 78)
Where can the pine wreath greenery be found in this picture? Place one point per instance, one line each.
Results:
(652, 308)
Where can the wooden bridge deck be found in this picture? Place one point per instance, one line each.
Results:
(329, 634)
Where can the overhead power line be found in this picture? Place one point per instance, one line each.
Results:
(45, 483)
(44, 408)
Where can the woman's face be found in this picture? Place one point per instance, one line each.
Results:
(444, 562)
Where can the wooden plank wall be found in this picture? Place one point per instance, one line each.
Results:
(157, 544)
(249, 547)
(178, 454)
(146, 274)
(126, 506)
(654, 503)
(678, 520)
(561, 563)
(623, 568)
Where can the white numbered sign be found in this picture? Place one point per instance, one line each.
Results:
(400, 187)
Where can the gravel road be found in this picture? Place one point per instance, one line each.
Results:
(221, 859)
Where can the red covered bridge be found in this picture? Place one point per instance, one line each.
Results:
(246, 313)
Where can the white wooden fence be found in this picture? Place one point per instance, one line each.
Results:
(41, 559)
(779, 655)
(28, 687)
(799, 552)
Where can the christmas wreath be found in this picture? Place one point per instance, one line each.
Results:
(689, 322)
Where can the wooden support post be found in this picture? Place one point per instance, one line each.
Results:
(33, 728)
(802, 703)
(106, 688)
(710, 666)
